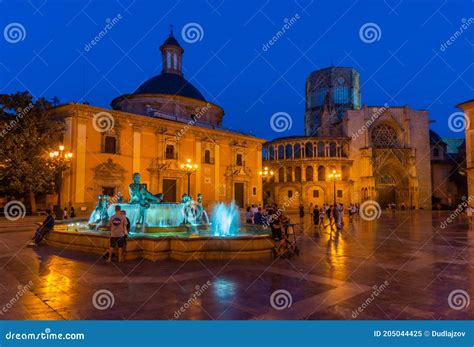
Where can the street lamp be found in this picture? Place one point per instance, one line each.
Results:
(265, 174)
(62, 158)
(333, 176)
(189, 168)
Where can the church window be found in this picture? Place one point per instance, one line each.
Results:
(309, 173)
(289, 151)
(207, 156)
(384, 136)
(309, 149)
(321, 173)
(341, 95)
(321, 149)
(315, 193)
(168, 60)
(110, 144)
(297, 174)
(271, 153)
(281, 175)
(297, 151)
(169, 154)
(332, 149)
(238, 160)
(281, 152)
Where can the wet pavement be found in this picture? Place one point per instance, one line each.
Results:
(401, 266)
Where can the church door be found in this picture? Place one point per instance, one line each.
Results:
(239, 194)
(169, 190)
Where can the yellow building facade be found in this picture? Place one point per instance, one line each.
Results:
(165, 123)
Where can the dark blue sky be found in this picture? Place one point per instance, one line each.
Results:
(404, 67)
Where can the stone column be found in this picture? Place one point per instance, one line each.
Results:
(217, 163)
(259, 179)
(80, 161)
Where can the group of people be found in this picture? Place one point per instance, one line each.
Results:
(334, 214)
(255, 215)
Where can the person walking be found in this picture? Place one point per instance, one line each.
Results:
(118, 227)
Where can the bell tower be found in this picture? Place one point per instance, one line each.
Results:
(171, 55)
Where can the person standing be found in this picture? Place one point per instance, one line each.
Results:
(118, 227)
(301, 210)
(73, 212)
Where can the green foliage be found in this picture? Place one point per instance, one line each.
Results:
(27, 134)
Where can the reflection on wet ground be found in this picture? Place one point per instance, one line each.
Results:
(401, 266)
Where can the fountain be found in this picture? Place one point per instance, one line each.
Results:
(225, 219)
(162, 230)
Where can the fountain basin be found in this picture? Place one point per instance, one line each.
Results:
(249, 244)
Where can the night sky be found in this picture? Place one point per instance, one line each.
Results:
(405, 66)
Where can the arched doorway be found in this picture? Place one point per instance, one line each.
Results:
(391, 188)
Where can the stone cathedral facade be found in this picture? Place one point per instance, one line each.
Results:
(382, 153)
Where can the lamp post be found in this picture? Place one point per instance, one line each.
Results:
(265, 174)
(189, 168)
(333, 176)
(61, 158)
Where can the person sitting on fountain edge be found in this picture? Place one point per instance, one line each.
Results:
(43, 229)
(118, 225)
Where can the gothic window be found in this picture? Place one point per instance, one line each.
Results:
(384, 136)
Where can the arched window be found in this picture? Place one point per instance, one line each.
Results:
(332, 149)
(309, 149)
(271, 153)
(281, 175)
(281, 152)
(289, 151)
(321, 149)
(297, 151)
(289, 174)
(309, 173)
(383, 136)
(321, 173)
(297, 174)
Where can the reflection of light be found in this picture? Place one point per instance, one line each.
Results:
(223, 288)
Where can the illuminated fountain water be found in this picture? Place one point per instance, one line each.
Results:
(225, 219)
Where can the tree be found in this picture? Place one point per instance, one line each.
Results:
(27, 134)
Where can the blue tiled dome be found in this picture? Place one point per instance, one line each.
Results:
(170, 83)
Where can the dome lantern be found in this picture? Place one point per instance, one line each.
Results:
(171, 55)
